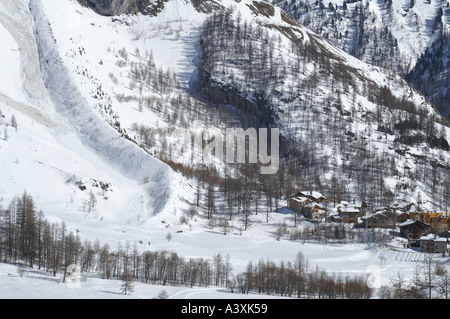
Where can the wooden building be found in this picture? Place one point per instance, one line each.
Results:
(381, 219)
(439, 224)
(402, 216)
(413, 229)
(424, 217)
(296, 203)
(313, 211)
(430, 244)
(349, 214)
(308, 203)
(313, 196)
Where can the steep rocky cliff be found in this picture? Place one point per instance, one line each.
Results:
(431, 75)
(147, 7)
(118, 7)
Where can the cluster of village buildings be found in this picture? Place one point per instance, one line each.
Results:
(427, 230)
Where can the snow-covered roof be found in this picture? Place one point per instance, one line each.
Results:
(349, 209)
(427, 237)
(408, 222)
(314, 204)
(299, 199)
(312, 193)
(431, 237)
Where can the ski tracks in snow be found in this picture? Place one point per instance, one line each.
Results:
(394, 256)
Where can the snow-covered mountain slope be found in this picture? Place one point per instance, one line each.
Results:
(392, 34)
(432, 73)
(344, 119)
(79, 168)
(88, 99)
(388, 33)
(340, 119)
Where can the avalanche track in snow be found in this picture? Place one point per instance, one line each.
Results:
(130, 159)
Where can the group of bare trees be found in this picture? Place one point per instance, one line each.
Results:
(341, 233)
(297, 279)
(226, 44)
(161, 267)
(430, 280)
(240, 194)
(12, 123)
(246, 66)
(362, 39)
(27, 238)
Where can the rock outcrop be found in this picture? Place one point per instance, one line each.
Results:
(118, 7)
(147, 7)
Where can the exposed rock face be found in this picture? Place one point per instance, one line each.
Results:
(148, 7)
(206, 6)
(431, 75)
(118, 7)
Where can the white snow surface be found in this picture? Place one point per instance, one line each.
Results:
(41, 285)
(61, 139)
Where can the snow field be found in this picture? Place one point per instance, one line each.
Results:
(80, 147)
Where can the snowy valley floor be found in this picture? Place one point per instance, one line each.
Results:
(381, 264)
(34, 284)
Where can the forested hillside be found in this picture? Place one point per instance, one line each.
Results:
(397, 35)
(431, 74)
(341, 121)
